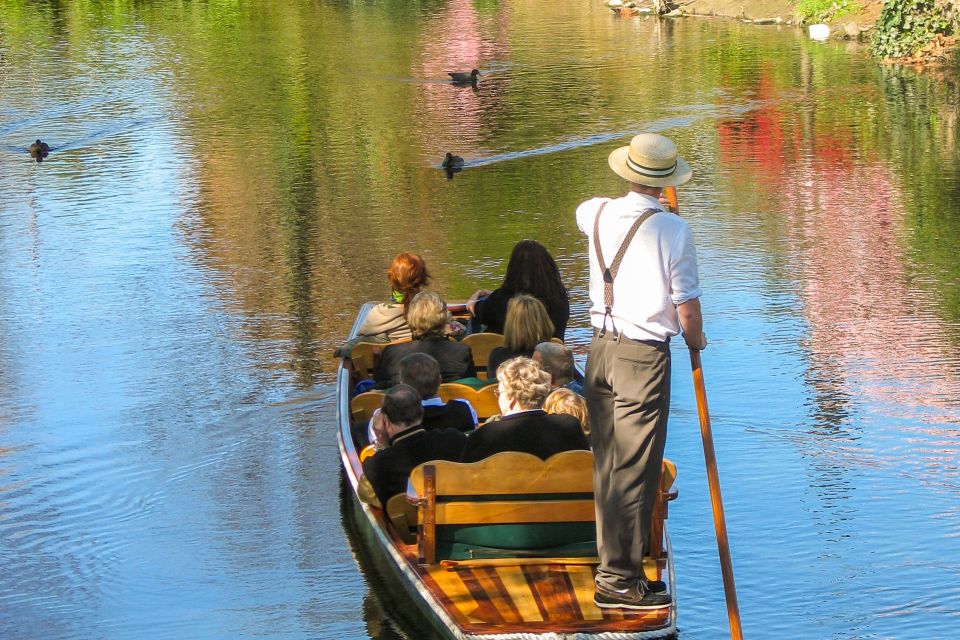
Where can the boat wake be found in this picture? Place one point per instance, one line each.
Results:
(656, 126)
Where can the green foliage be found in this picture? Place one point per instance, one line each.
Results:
(824, 10)
(906, 26)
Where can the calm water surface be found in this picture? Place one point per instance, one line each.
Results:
(228, 183)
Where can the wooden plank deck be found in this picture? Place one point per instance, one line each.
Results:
(529, 598)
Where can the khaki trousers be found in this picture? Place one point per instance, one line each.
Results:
(628, 396)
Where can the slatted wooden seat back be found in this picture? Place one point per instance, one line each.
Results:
(510, 504)
(513, 505)
(481, 344)
(366, 357)
(364, 404)
(484, 400)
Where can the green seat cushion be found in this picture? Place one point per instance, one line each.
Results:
(552, 539)
(476, 383)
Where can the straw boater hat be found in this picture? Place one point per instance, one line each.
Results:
(650, 159)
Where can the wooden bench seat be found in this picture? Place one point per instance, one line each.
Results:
(365, 358)
(511, 505)
(484, 399)
(482, 344)
(364, 404)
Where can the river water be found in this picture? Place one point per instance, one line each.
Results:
(229, 181)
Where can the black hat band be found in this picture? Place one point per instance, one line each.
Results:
(650, 171)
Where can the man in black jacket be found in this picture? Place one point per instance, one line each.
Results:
(405, 444)
(422, 372)
(523, 388)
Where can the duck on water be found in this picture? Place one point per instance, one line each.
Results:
(39, 150)
(452, 164)
(463, 77)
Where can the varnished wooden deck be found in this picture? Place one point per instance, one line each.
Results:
(527, 599)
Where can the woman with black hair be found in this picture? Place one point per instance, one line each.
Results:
(531, 270)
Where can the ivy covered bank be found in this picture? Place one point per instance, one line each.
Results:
(917, 31)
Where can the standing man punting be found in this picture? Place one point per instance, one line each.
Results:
(644, 289)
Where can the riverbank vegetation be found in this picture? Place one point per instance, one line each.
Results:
(916, 30)
(826, 10)
(912, 31)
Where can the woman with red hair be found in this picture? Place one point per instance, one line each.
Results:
(387, 322)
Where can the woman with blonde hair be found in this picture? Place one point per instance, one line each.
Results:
(428, 318)
(563, 400)
(522, 388)
(527, 325)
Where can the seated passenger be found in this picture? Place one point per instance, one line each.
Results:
(403, 444)
(387, 322)
(524, 426)
(421, 371)
(428, 317)
(557, 360)
(564, 400)
(527, 325)
(531, 270)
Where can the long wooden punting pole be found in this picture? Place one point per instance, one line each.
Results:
(713, 477)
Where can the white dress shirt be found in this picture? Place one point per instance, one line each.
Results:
(658, 272)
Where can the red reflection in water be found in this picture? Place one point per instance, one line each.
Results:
(756, 139)
(866, 320)
(872, 333)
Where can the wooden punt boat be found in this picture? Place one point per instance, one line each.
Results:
(492, 593)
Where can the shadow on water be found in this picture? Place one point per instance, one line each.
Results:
(386, 606)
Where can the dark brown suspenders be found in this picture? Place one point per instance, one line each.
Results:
(610, 273)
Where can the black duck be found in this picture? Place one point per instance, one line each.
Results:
(39, 150)
(452, 162)
(462, 77)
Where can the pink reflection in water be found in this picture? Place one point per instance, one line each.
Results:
(866, 318)
(450, 116)
(874, 334)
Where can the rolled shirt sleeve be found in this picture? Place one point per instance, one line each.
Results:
(684, 276)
